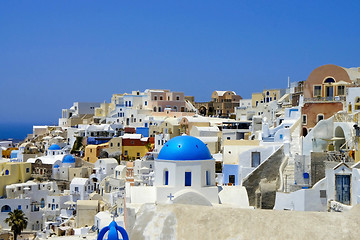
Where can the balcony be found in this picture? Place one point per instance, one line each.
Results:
(326, 99)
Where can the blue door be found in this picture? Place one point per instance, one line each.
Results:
(187, 178)
(329, 91)
(343, 188)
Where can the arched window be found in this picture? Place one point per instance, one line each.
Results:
(304, 131)
(160, 109)
(7, 172)
(329, 80)
(166, 177)
(154, 109)
(155, 98)
(6, 208)
(161, 97)
(175, 108)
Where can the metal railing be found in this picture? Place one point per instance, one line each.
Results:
(326, 99)
(338, 157)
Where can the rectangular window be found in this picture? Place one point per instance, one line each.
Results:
(322, 193)
(19, 207)
(320, 117)
(187, 179)
(145, 103)
(166, 178)
(341, 90)
(27, 170)
(138, 154)
(255, 159)
(208, 182)
(232, 179)
(304, 119)
(76, 190)
(126, 153)
(317, 91)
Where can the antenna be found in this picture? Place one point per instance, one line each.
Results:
(288, 82)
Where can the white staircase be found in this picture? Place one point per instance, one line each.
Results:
(295, 148)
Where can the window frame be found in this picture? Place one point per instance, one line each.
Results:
(321, 89)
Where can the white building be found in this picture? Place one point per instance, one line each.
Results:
(30, 197)
(144, 171)
(103, 167)
(184, 173)
(338, 191)
(77, 110)
(80, 188)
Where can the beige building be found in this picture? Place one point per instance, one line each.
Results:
(114, 148)
(85, 212)
(266, 96)
(187, 123)
(223, 103)
(79, 172)
(104, 109)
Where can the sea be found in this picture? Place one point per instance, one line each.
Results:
(17, 131)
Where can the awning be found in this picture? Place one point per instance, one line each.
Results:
(333, 139)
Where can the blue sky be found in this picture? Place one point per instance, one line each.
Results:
(53, 53)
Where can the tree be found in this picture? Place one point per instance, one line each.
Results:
(17, 221)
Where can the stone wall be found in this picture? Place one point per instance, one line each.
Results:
(262, 183)
(176, 221)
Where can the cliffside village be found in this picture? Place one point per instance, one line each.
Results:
(293, 149)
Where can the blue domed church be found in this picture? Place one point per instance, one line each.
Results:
(185, 173)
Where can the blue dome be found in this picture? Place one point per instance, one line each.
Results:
(184, 148)
(113, 232)
(54, 147)
(68, 159)
(56, 166)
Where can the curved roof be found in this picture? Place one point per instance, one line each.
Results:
(54, 147)
(184, 148)
(69, 159)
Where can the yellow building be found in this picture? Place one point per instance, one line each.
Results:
(13, 172)
(265, 97)
(92, 152)
(134, 146)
